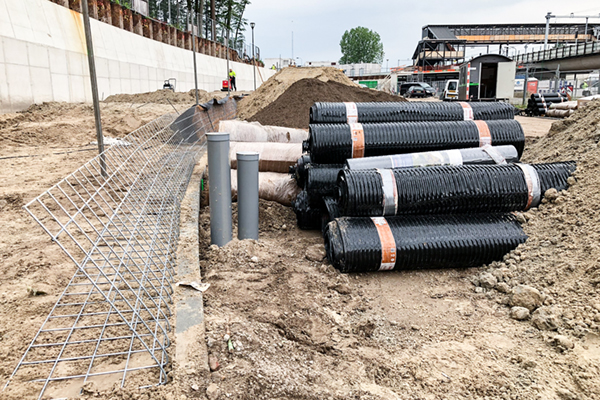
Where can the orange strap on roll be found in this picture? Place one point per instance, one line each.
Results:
(467, 111)
(388, 244)
(351, 113)
(485, 137)
(358, 140)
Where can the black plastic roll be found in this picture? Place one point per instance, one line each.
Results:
(322, 181)
(332, 143)
(409, 111)
(307, 216)
(555, 175)
(447, 189)
(423, 241)
(548, 96)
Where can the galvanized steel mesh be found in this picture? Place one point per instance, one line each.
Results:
(121, 230)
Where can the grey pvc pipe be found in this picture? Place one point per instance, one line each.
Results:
(219, 186)
(247, 186)
(475, 155)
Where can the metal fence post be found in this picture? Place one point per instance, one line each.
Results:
(247, 185)
(219, 183)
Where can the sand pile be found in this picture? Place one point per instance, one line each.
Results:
(58, 125)
(291, 109)
(555, 275)
(269, 91)
(163, 96)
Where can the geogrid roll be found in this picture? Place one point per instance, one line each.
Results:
(448, 189)
(321, 112)
(424, 241)
(333, 143)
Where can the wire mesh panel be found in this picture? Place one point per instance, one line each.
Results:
(117, 218)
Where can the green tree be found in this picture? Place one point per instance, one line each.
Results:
(361, 45)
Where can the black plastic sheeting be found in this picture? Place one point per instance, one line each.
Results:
(448, 189)
(409, 111)
(424, 241)
(308, 216)
(332, 143)
(330, 211)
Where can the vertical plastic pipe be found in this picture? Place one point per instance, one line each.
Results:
(219, 187)
(247, 176)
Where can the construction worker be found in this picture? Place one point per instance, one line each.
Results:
(232, 80)
(273, 67)
(584, 85)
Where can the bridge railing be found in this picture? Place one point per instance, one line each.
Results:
(580, 49)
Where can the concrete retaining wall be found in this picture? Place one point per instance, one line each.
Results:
(43, 58)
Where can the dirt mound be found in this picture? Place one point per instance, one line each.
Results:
(163, 96)
(269, 91)
(58, 125)
(291, 109)
(560, 258)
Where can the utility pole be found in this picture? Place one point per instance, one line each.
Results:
(92, 65)
(525, 84)
(252, 25)
(194, 53)
(227, 51)
(548, 16)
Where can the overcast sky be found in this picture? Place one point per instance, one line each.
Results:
(318, 25)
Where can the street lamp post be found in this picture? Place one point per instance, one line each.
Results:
(252, 24)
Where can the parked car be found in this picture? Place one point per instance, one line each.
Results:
(427, 89)
(415, 91)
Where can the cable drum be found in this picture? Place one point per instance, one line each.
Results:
(448, 189)
(322, 112)
(332, 143)
(423, 241)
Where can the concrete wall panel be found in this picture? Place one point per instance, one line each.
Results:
(43, 58)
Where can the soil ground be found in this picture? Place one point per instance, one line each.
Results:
(301, 330)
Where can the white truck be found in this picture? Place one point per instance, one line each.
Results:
(450, 91)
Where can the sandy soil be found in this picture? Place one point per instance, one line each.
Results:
(535, 126)
(301, 330)
(38, 148)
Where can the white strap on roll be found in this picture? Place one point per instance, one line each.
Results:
(351, 112)
(454, 157)
(467, 111)
(533, 185)
(390, 191)
(495, 154)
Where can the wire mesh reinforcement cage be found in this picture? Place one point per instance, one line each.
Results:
(117, 219)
